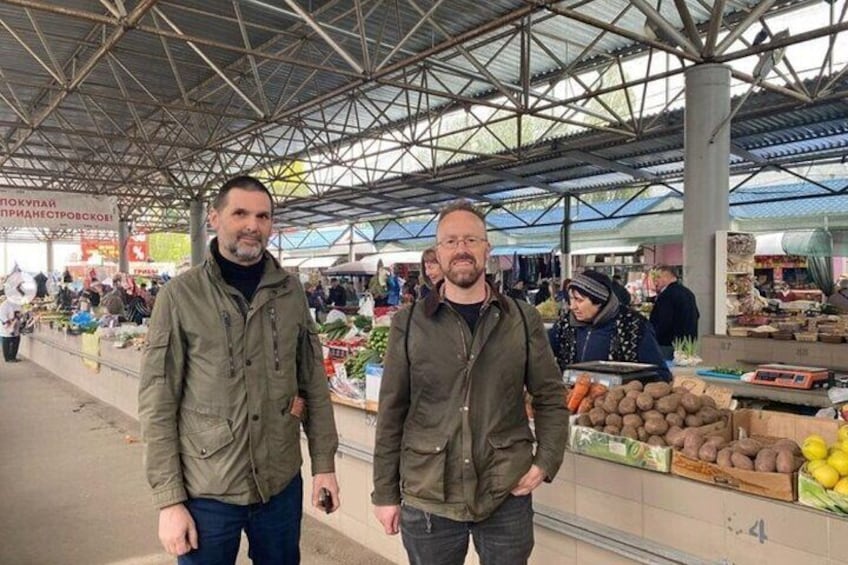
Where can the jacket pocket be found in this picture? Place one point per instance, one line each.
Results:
(512, 455)
(422, 467)
(206, 443)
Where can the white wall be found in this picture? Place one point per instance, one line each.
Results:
(32, 256)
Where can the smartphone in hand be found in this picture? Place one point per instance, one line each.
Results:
(325, 500)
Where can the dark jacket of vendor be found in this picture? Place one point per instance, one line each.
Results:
(596, 327)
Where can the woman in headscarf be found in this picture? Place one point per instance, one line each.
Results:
(596, 327)
(431, 272)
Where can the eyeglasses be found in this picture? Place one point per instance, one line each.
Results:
(470, 242)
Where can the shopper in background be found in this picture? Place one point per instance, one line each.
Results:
(839, 298)
(544, 292)
(10, 330)
(232, 366)
(454, 453)
(675, 313)
(350, 293)
(517, 291)
(620, 291)
(596, 327)
(431, 272)
(337, 296)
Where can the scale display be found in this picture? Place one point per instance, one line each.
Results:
(792, 376)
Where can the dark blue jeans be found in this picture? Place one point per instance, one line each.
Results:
(504, 538)
(272, 528)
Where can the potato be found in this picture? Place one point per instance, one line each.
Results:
(718, 441)
(584, 420)
(681, 411)
(633, 420)
(749, 447)
(598, 428)
(611, 403)
(585, 406)
(642, 433)
(657, 441)
(617, 392)
(599, 401)
(724, 458)
(690, 452)
(612, 430)
(766, 460)
(667, 404)
(693, 421)
(644, 401)
(634, 394)
(598, 416)
(708, 453)
(613, 420)
(652, 414)
(690, 402)
(679, 389)
(784, 462)
(629, 431)
(708, 402)
(627, 406)
(658, 390)
(788, 445)
(709, 415)
(674, 437)
(674, 419)
(634, 385)
(656, 426)
(742, 461)
(693, 440)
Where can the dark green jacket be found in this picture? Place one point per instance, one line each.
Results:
(218, 378)
(452, 430)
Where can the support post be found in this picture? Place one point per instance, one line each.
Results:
(50, 254)
(706, 182)
(565, 239)
(123, 244)
(197, 230)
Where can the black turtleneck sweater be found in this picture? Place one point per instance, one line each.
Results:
(244, 278)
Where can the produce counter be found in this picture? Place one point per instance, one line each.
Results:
(595, 511)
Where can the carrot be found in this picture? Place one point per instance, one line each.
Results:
(597, 390)
(579, 392)
(585, 405)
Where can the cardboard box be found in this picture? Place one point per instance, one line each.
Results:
(617, 449)
(768, 427)
(811, 493)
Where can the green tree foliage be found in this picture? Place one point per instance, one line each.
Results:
(169, 247)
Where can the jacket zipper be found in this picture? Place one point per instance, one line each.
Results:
(228, 326)
(586, 344)
(272, 312)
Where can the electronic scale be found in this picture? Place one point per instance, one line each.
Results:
(792, 376)
(611, 373)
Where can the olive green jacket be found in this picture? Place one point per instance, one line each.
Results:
(453, 436)
(218, 380)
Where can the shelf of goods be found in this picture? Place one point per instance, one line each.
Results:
(734, 280)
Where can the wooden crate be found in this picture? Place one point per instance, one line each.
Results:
(765, 426)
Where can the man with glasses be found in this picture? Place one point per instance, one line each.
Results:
(454, 453)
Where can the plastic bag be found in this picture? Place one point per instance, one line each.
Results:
(334, 315)
(366, 305)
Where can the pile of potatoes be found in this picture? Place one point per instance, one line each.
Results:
(781, 456)
(654, 413)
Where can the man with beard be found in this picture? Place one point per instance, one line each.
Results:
(454, 452)
(232, 366)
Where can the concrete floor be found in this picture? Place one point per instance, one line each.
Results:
(72, 487)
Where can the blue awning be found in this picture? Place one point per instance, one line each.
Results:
(520, 250)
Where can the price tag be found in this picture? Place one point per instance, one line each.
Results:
(341, 372)
(617, 448)
(692, 384)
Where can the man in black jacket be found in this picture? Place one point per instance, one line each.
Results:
(675, 313)
(337, 295)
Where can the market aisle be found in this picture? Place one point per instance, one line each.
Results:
(72, 486)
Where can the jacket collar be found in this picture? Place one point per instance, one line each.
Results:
(272, 275)
(436, 298)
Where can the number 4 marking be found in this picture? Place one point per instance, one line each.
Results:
(758, 530)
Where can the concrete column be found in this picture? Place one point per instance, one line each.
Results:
(351, 255)
(197, 230)
(565, 240)
(706, 182)
(123, 244)
(50, 258)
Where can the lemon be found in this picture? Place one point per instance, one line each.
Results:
(839, 461)
(816, 438)
(814, 450)
(815, 464)
(843, 433)
(842, 486)
(842, 444)
(827, 476)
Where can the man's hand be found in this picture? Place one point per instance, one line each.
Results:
(529, 481)
(177, 531)
(327, 481)
(389, 516)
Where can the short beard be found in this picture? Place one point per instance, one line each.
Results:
(245, 254)
(464, 279)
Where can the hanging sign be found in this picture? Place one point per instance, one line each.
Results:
(57, 210)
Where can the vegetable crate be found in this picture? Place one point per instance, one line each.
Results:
(618, 449)
(767, 427)
(811, 493)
